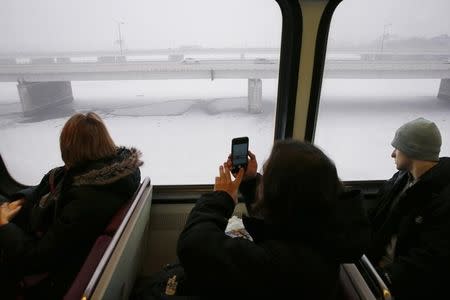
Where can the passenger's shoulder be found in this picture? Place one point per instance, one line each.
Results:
(444, 196)
(440, 202)
(391, 182)
(90, 201)
(91, 194)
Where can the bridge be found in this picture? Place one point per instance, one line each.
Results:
(196, 50)
(46, 79)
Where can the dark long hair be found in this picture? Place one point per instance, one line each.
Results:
(300, 185)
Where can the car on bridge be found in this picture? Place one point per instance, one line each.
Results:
(264, 61)
(190, 60)
(43, 60)
(106, 59)
(63, 60)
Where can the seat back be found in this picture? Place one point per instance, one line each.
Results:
(87, 270)
(374, 281)
(95, 255)
(352, 285)
(360, 281)
(97, 252)
(112, 227)
(346, 290)
(115, 274)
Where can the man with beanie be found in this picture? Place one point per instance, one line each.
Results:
(411, 223)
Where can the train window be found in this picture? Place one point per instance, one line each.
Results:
(386, 63)
(177, 79)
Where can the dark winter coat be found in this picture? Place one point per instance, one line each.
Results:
(56, 235)
(281, 261)
(421, 221)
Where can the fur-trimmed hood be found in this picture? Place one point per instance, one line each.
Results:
(104, 172)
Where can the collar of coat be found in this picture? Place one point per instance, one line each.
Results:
(109, 170)
(434, 179)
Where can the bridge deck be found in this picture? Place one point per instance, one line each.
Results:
(213, 69)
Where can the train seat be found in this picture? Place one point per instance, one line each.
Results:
(360, 281)
(352, 285)
(115, 274)
(87, 270)
(118, 218)
(92, 260)
(346, 289)
(99, 250)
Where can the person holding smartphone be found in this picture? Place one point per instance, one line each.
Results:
(302, 223)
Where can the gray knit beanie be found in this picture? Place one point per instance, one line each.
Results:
(419, 139)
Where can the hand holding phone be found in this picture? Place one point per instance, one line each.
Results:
(239, 154)
(252, 166)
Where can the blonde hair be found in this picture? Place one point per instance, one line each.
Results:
(83, 138)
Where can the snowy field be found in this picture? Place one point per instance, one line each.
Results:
(185, 127)
(184, 136)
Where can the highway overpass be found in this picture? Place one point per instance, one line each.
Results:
(39, 76)
(214, 69)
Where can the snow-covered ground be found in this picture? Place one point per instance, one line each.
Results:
(185, 127)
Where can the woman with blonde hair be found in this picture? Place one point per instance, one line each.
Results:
(50, 228)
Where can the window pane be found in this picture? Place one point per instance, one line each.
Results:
(384, 67)
(176, 79)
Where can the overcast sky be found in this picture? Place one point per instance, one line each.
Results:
(64, 25)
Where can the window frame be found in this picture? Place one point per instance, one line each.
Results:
(291, 39)
(291, 32)
(291, 42)
(319, 65)
(370, 188)
(284, 116)
(8, 185)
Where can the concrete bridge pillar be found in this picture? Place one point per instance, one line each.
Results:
(37, 96)
(254, 95)
(444, 89)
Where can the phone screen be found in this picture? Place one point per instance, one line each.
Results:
(240, 152)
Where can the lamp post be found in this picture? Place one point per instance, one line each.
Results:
(384, 35)
(120, 41)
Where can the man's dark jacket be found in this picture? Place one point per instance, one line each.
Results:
(421, 221)
(56, 238)
(303, 262)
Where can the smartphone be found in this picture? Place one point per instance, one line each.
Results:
(239, 153)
